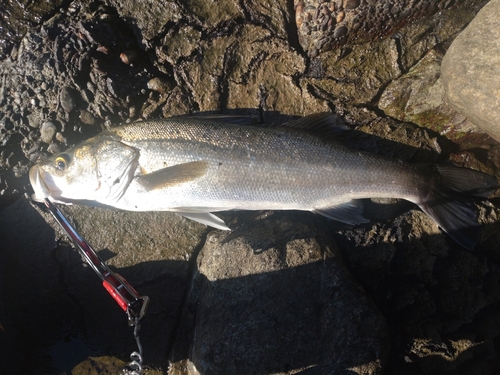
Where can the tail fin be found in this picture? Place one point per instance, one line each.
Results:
(449, 201)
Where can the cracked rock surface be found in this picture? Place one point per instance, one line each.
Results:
(283, 292)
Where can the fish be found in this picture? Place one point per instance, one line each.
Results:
(195, 167)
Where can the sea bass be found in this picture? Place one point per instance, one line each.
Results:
(195, 167)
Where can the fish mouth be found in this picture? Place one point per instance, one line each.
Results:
(39, 186)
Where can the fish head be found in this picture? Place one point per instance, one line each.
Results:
(99, 169)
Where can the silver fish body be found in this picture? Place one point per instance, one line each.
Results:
(196, 167)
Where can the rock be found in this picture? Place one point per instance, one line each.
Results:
(47, 131)
(180, 43)
(418, 97)
(273, 296)
(87, 118)
(101, 365)
(68, 99)
(150, 16)
(419, 276)
(239, 58)
(471, 70)
(13, 27)
(64, 309)
(34, 120)
(161, 85)
(105, 366)
(129, 57)
(327, 25)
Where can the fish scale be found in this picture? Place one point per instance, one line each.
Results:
(294, 170)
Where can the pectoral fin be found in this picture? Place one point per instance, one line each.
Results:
(174, 175)
(350, 212)
(206, 218)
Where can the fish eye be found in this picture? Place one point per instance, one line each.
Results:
(62, 161)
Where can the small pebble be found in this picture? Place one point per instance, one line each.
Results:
(20, 170)
(54, 148)
(87, 118)
(47, 131)
(128, 57)
(161, 85)
(33, 120)
(67, 98)
(61, 138)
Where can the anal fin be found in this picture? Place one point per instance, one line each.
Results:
(349, 212)
(206, 218)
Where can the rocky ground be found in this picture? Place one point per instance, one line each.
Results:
(283, 292)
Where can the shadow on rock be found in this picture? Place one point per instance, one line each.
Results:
(271, 296)
(55, 312)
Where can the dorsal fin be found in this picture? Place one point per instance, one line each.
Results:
(324, 124)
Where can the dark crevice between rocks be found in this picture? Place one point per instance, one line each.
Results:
(292, 31)
(180, 337)
(167, 28)
(322, 94)
(254, 65)
(225, 28)
(399, 48)
(223, 80)
(255, 18)
(263, 108)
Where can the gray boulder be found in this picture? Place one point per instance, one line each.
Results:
(471, 70)
(274, 297)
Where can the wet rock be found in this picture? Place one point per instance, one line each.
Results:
(240, 58)
(270, 67)
(161, 85)
(470, 71)
(19, 16)
(273, 296)
(213, 15)
(418, 97)
(103, 365)
(66, 308)
(237, 77)
(435, 278)
(68, 99)
(150, 16)
(275, 16)
(47, 131)
(180, 43)
(87, 118)
(354, 79)
(34, 120)
(327, 25)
